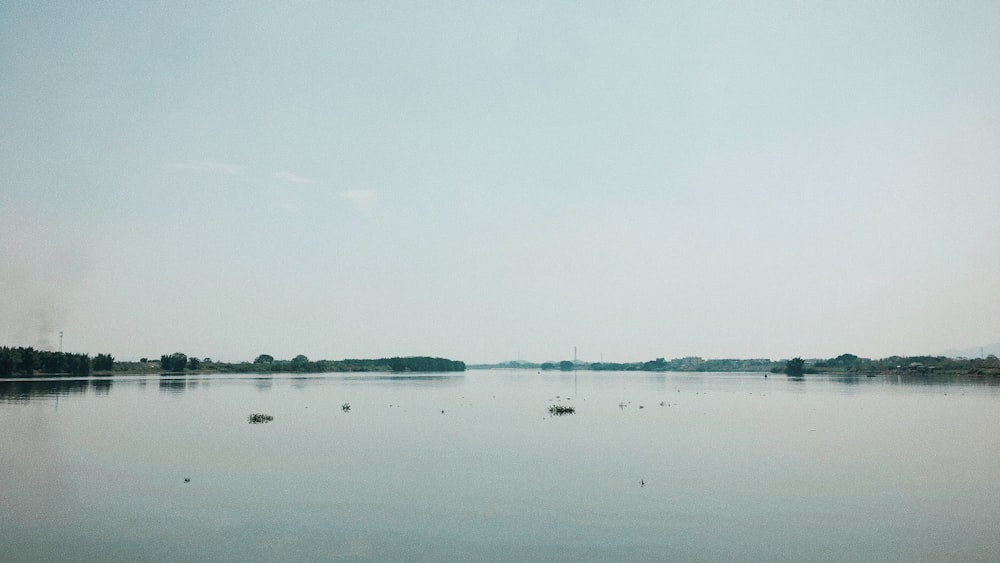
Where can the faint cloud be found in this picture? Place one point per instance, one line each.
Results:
(287, 176)
(211, 166)
(363, 199)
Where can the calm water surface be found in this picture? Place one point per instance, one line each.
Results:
(471, 467)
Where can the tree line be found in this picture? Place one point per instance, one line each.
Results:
(178, 361)
(29, 362)
(691, 363)
(302, 364)
(265, 363)
(844, 363)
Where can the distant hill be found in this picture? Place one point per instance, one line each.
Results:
(975, 352)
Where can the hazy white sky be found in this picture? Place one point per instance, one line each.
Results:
(485, 181)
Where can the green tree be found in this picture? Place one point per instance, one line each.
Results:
(795, 367)
(300, 363)
(29, 361)
(847, 361)
(9, 358)
(103, 362)
(79, 364)
(174, 362)
(264, 359)
(179, 361)
(193, 363)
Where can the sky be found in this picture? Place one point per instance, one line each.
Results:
(491, 181)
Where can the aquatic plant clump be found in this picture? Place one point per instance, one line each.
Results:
(559, 410)
(259, 418)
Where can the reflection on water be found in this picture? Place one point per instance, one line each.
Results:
(905, 379)
(693, 466)
(851, 379)
(101, 386)
(940, 380)
(25, 389)
(402, 379)
(173, 384)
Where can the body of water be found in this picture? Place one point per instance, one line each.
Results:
(472, 467)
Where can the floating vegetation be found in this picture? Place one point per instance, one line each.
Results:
(259, 418)
(559, 410)
(346, 407)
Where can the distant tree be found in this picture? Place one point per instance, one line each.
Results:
(846, 361)
(179, 361)
(413, 363)
(9, 358)
(79, 364)
(103, 362)
(301, 363)
(660, 364)
(795, 367)
(29, 361)
(53, 362)
(193, 363)
(566, 365)
(264, 359)
(24, 362)
(174, 362)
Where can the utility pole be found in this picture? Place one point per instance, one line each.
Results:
(60, 341)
